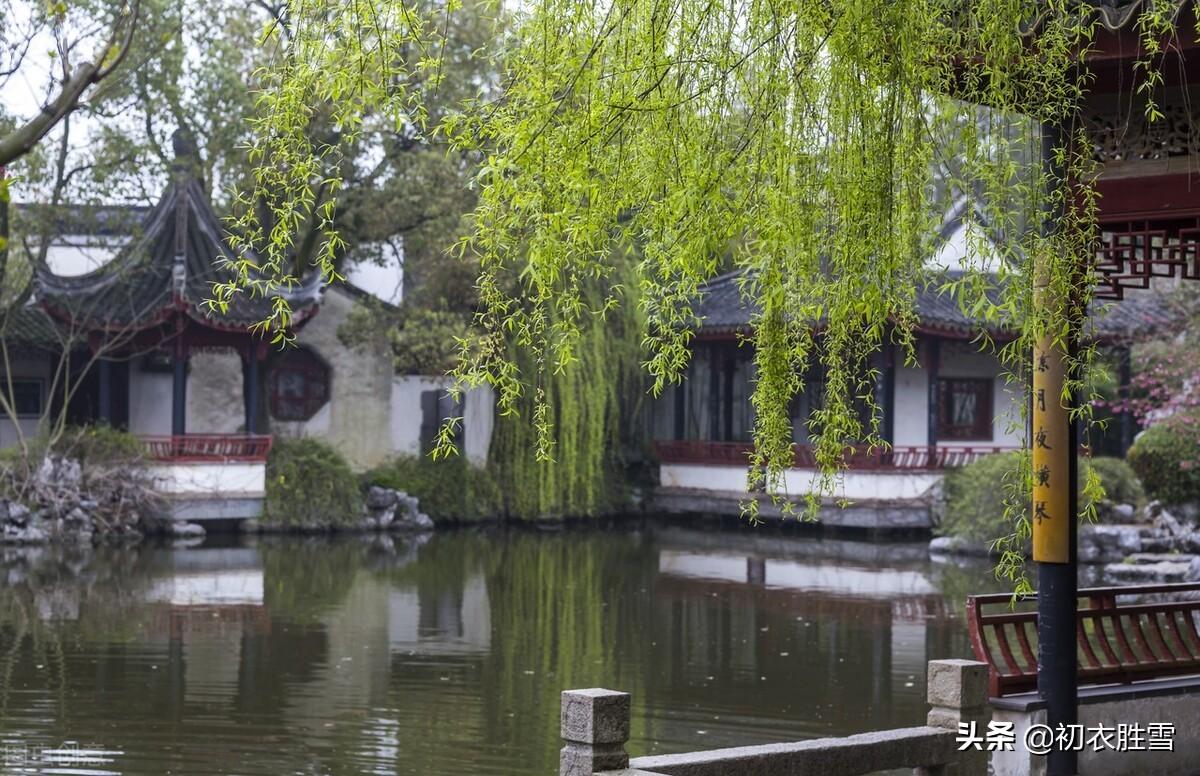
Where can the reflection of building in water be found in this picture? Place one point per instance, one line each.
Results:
(896, 602)
(801, 623)
(213, 591)
(440, 621)
(204, 608)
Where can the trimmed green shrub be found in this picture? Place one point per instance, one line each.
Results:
(976, 494)
(449, 489)
(1121, 484)
(310, 485)
(1166, 457)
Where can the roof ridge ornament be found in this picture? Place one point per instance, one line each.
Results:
(184, 144)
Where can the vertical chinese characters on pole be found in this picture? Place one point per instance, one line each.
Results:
(1051, 456)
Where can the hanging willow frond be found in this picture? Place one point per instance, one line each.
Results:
(812, 144)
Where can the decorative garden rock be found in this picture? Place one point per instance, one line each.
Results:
(66, 503)
(379, 498)
(394, 510)
(1154, 568)
(1124, 514)
(1108, 543)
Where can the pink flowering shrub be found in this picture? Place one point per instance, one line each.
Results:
(1165, 383)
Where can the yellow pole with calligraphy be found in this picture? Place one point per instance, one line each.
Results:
(1051, 513)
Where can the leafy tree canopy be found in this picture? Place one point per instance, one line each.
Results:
(800, 137)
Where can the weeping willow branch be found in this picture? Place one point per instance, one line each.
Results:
(802, 142)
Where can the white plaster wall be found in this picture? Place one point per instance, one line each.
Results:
(149, 401)
(966, 248)
(8, 430)
(356, 419)
(406, 416)
(215, 400)
(856, 486)
(371, 413)
(911, 424)
(406, 410)
(206, 479)
(479, 416)
(30, 367)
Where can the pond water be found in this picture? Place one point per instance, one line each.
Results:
(446, 656)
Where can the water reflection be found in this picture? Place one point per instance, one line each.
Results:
(446, 657)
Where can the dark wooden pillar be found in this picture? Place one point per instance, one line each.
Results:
(933, 358)
(885, 394)
(251, 389)
(104, 409)
(714, 394)
(680, 408)
(179, 390)
(730, 367)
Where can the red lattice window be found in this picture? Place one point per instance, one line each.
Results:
(1131, 253)
(965, 409)
(299, 385)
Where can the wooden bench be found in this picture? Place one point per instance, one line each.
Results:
(1119, 640)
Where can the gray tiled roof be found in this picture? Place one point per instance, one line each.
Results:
(136, 289)
(722, 310)
(29, 326)
(1114, 15)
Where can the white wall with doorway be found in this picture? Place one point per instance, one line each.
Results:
(411, 420)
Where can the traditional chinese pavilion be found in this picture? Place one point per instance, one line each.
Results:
(145, 312)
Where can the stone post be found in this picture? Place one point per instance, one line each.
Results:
(595, 727)
(958, 692)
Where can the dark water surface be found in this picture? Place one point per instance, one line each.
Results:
(305, 656)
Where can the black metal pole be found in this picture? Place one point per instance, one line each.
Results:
(1057, 600)
(1057, 661)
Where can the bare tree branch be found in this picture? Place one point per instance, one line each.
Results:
(25, 138)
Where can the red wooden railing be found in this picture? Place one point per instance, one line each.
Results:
(1118, 641)
(863, 458)
(191, 448)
